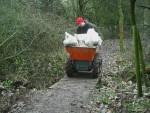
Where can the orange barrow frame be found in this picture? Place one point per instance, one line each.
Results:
(81, 53)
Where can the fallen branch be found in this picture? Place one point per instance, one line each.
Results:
(143, 6)
(126, 92)
(147, 70)
(146, 25)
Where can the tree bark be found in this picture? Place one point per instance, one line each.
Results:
(136, 47)
(121, 25)
(141, 57)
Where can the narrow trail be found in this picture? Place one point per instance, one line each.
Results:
(69, 95)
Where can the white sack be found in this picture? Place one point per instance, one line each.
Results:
(93, 38)
(70, 40)
(81, 39)
(90, 39)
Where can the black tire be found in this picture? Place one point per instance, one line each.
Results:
(100, 65)
(95, 69)
(95, 72)
(69, 68)
(97, 66)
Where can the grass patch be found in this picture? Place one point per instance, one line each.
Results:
(137, 106)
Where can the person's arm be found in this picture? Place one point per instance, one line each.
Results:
(91, 24)
(94, 26)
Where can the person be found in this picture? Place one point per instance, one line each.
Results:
(83, 25)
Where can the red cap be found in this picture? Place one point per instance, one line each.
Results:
(79, 20)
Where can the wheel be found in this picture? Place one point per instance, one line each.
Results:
(69, 68)
(95, 72)
(100, 65)
(97, 66)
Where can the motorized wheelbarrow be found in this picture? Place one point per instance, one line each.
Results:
(83, 60)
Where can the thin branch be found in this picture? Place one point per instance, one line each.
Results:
(7, 39)
(93, 25)
(17, 54)
(86, 8)
(85, 2)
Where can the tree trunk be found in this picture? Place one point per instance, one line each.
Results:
(81, 7)
(142, 60)
(121, 25)
(136, 47)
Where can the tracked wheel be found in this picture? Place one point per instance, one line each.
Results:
(69, 68)
(97, 66)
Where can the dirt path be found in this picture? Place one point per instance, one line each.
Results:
(69, 95)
